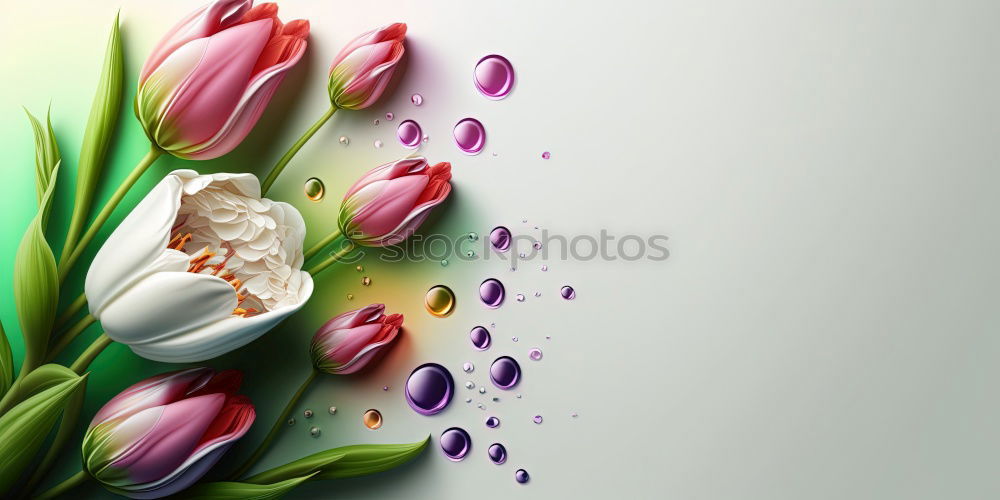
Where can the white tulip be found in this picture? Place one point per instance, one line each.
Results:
(203, 265)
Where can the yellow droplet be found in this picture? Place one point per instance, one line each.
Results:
(359, 268)
(350, 296)
(366, 281)
(372, 419)
(440, 301)
(314, 189)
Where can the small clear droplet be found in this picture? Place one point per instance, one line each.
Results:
(538, 294)
(444, 262)
(307, 414)
(366, 281)
(291, 421)
(470, 253)
(468, 400)
(496, 399)
(439, 301)
(426, 138)
(567, 292)
(520, 297)
(574, 414)
(545, 267)
(514, 339)
(385, 388)
(482, 390)
(389, 116)
(518, 396)
(537, 245)
(314, 431)
(333, 410)
(417, 99)
(314, 189)
(344, 140)
(522, 255)
(467, 367)
(548, 337)
(535, 354)
(480, 406)
(521, 476)
(546, 155)
(473, 236)
(470, 385)
(372, 419)
(378, 143)
(375, 121)
(537, 419)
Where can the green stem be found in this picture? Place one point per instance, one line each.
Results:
(71, 310)
(96, 347)
(331, 259)
(109, 208)
(63, 487)
(71, 335)
(278, 424)
(276, 170)
(313, 250)
(66, 428)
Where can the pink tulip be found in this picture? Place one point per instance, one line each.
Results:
(362, 69)
(163, 434)
(209, 79)
(349, 342)
(388, 204)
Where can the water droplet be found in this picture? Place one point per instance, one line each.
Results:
(350, 296)
(344, 140)
(567, 292)
(520, 297)
(521, 255)
(333, 410)
(375, 121)
(493, 325)
(378, 143)
(480, 338)
(307, 414)
(518, 396)
(389, 116)
(537, 245)
(514, 338)
(538, 294)
(494, 76)
(439, 301)
(497, 453)
(500, 238)
(521, 476)
(491, 293)
(535, 354)
(505, 372)
(470, 253)
(468, 400)
(545, 267)
(385, 388)
(467, 367)
(496, 399)
(444, 262)
(547, 337)
(366, 281)
(408, 132)
(537, 419)
(480, 406)
(314, 189)
(455, 443)
(470, 385)
(291, 421)
(470, 136)
(574, 414)
(546, 155)
(426, 138)
(429, 388)
(314, 431)
(492, 422)
(359, 269)
(482, 390)
(372, 419)
(473, 236)
(417, 99)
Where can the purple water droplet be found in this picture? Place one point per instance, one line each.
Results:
(535, 354)
(408, 132)
(470, 136)
(500, 238)
(492, 293)
(520, 297)
(537, 419)
(429, 388)
(521, 476)
(417, 99)
(455, 443)
(389, 116)
(546, 155)
(492, 422)
(480, 337)
(567, 292)
(505, 372)
(497, 453)
(494, 76)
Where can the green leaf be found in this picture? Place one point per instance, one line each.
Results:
(46, 153)
(347, 461)
(36, 284)
(24, 428)
(6, 363)
(232, 490)
(38, 380)
(97, 136)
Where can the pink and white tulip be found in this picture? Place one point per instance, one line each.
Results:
(209, 79)
(362, 70)
(388, 204)
(353, 340)
(161, 435)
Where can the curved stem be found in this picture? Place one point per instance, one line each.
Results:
(66, 427)
(61, 488)
(88, 356)
(313, 250)
(331, 259)
(71, 335)
(109, 208)
(71, 310)
(276, 170)
(275, 428)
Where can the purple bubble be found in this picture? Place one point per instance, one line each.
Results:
(497, 453)
(409, 134)
(521, 476)
(492, 293)
(481, 338)
(567, 292)
(500, 238)
(429, 388)
(494, 76)
(492, 422)
(455, 443)
(505, 372)
(470, 136)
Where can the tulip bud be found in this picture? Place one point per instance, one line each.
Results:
(161, 435)
(349, 342)
(209, 79)
(388, 204)
(362, 70)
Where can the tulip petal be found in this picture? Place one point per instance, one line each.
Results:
(406, 166)
(351, 319)
(388, 204)
(138, 241)
(395, 31)
(156, 391)
(222, 336)
(386, 334)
